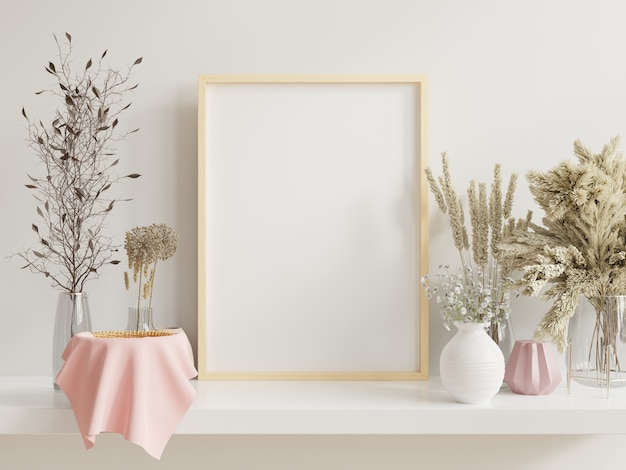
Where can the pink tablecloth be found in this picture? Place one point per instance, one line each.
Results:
(137, 387)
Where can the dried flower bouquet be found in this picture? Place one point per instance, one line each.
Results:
(144, 247)
(478, 292)
(581, 247)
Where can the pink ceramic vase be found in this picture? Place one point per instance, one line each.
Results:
(532, 368)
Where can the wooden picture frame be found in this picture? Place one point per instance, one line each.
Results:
(312, 227)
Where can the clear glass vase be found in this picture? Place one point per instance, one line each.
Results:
(140, 319)
(502, 334)
(72, 316)
(597, 336)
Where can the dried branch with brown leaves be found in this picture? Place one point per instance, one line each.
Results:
(77, 156)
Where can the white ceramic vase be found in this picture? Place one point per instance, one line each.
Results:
(471, 364)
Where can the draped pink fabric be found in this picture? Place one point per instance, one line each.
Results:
(137, 387)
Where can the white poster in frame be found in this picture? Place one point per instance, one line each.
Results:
(312, 227)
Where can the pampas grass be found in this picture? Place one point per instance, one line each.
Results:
(580, 248)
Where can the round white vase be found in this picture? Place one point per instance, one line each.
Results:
(471, 364)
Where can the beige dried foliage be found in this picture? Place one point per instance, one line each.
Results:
(453, 205)
(145, 246)
(580, 247)
(487, 217)
(488, 223)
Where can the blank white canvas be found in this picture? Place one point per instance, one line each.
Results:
(312, 225)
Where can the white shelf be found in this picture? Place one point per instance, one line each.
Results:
(29, 405)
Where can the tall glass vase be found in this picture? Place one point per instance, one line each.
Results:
(72, 316)
(597, 334)
(502, 334)
(140, 319)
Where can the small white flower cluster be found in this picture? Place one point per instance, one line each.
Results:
(469, 297)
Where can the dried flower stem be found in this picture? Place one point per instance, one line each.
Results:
(482, 276)
(145, 246)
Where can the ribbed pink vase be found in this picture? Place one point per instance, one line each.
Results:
(532, 368)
